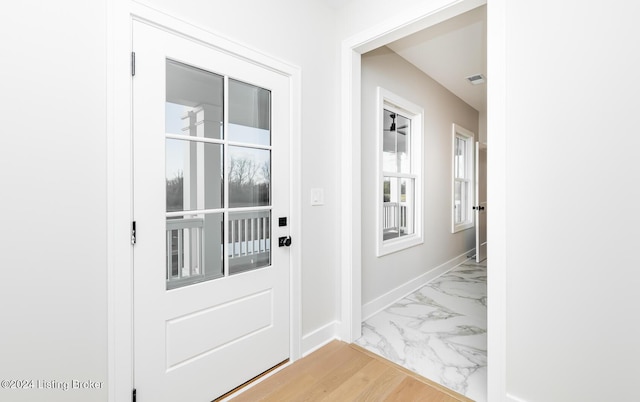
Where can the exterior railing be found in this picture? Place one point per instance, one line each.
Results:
(184, 248)
(248, 234)
(394, 217)
(249, 240)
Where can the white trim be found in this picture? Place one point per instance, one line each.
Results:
(497, 198)
(397, 104)
(120, 14)
(469, 138)
(316, 339)
(119, 198)
(161, 20)
(376, 305)
(350, 219)
(411, 20)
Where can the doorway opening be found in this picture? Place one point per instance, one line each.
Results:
(397, 41)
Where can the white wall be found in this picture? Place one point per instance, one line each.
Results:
(53, 292)
(382, 67)
(54, 172)
(572, 189)
(570, 175)
(303, 34)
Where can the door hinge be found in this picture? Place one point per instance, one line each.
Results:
(133, 395)
(133, 236)
(133, 64)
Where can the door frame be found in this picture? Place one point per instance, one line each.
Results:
(119, 118)
(407, 22)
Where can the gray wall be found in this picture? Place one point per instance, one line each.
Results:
(384, 68)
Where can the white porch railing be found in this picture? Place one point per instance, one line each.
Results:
(249, 246)
(248, 234)
(394, 217)
(184, 248)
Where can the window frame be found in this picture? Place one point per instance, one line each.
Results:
(469, 138)
(396, 104)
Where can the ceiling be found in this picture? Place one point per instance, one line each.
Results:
(451, 51)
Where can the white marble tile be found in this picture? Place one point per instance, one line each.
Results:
(439, 331)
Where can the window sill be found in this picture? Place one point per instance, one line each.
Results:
(462, 227)
(396, 245)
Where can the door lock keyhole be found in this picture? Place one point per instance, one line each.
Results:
(284, 241)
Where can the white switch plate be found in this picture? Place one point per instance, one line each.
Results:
(317, 196)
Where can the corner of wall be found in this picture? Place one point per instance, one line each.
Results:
(316, 339)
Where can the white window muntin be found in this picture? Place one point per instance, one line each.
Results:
(410, 181)
(462, 188)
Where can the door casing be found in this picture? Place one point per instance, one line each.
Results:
(412, 20)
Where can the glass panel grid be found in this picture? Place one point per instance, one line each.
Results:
(194, 249)
(194, 175)
(207, 177)
(194, 101)
(249, 177)
(249, 241)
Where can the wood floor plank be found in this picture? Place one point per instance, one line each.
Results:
(293, 393)
(411, 389)
(315, 361)
(382, 387)
(433, 384)
(343, 372)
(362, 379)
(348, 363)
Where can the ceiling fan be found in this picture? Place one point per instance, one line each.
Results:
(393, 125)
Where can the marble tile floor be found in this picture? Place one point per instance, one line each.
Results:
(438, 331)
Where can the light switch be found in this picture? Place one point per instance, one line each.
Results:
(317, 196)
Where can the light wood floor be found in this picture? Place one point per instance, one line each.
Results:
(343, 372)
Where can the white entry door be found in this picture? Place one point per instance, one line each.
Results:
(481, 202)
(211, 180)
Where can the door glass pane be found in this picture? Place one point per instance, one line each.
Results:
(194, 249)
(249, 177)
(194, 101)
(249, 113)
(193, 175)
(249, 241)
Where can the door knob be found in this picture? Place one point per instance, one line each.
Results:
(284, 241)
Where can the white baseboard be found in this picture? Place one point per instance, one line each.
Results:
(511, 398)
(387, 299)
(319, 337)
